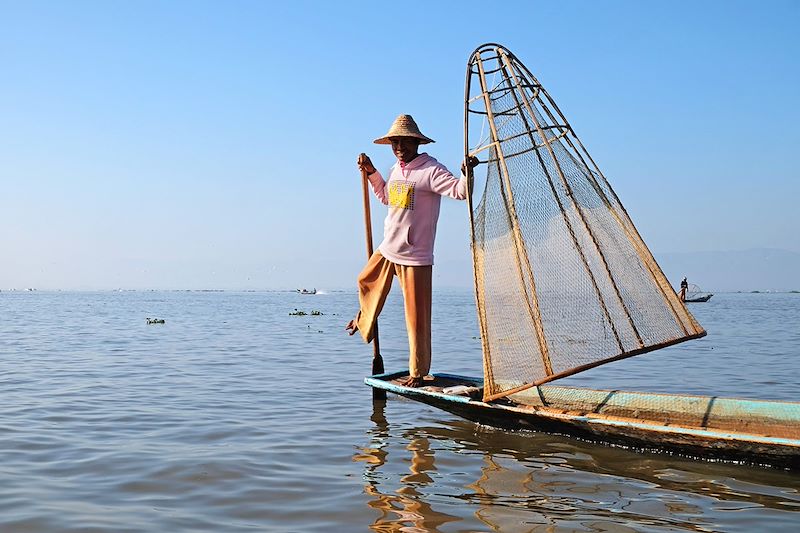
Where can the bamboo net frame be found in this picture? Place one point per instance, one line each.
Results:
(563, 280)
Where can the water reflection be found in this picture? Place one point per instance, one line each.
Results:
(422, 477)
(404, 509)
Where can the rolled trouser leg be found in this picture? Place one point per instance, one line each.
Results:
(374, 283)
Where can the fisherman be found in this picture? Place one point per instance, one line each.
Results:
(413, 193)
(684, 288)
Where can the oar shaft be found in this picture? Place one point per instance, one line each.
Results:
(377, 360)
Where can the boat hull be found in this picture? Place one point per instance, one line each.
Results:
(751, 431)
(699, 299)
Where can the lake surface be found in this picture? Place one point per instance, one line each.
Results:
(236, 416)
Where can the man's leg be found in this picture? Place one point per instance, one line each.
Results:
(374, 283)
(416, 282)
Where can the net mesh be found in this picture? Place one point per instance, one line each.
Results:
(563, 280)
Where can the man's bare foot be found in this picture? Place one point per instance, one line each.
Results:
(351, 327)
(411, 382)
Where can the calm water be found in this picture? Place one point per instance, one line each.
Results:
(235, 416)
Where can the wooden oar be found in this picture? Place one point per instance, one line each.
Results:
(377, 360)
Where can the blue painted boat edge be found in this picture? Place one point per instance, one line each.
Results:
(382, 381)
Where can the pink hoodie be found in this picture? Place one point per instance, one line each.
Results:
(413, 194)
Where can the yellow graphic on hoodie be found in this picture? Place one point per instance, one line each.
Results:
(401, 194)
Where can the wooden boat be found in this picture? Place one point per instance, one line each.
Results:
(751, 431)
(697, 299)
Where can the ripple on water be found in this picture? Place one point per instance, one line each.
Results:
(234, 415)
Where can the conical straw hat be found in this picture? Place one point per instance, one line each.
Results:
(404, 126)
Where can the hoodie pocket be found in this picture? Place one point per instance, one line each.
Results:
(399, 240)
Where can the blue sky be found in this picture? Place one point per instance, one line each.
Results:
(213, 144)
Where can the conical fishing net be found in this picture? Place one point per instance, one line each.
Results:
(563, 280)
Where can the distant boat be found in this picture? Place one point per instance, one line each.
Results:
(306, 291)
(695, 294)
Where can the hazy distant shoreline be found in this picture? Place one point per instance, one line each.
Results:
(765, 270)
(322, 293)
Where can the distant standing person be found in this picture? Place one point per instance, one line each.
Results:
(684, 288)
(413, 193)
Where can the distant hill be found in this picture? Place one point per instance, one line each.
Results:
(760, 269)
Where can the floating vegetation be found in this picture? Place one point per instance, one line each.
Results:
(298, 312)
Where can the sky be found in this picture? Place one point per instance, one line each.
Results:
(189, 145)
